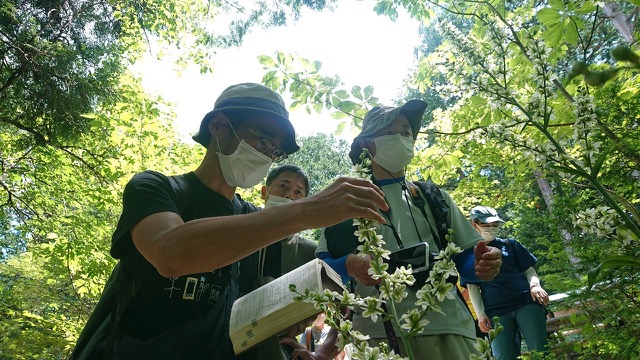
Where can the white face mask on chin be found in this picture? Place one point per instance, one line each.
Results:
(274, 200)
(489, 233)
(393, 152)
(246, 167)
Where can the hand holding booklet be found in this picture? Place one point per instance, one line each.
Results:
(270, 309)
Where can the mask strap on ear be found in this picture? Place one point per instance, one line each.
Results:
(232, 129)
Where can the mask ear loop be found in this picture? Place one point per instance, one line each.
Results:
(232, 129)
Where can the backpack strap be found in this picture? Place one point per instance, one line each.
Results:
(440, 211)
(439, 208)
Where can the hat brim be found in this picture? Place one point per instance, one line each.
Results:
(289, 144)
(491, 219)
(414, 110)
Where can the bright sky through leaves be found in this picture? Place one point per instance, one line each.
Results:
(353, 42)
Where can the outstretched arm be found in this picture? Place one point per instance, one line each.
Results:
(176, 248)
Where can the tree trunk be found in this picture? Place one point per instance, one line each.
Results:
(619, 21)
(547, 195)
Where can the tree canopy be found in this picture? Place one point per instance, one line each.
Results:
(533, 109)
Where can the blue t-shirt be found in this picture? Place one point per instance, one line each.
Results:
(510, 289)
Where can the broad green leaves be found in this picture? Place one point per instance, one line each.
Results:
(316, 93)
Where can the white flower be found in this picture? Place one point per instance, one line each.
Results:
(372, 309)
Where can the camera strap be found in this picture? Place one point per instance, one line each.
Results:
(420, 203)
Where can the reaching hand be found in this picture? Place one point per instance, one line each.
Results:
(299, 351)
(358, 268)
(344, 199)
(484, 323)
(488, 261)
(539, 294)
(302, 353)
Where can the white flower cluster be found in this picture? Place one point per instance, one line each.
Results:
(586, 121)
(600, 221)
(539, 105)
(545, 153)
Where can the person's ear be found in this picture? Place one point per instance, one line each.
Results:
(218, 122)
(263, 192)
(369, 144)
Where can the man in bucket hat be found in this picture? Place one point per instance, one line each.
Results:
(389, 133)
(181, 256)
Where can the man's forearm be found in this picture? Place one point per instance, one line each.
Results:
(211, 243)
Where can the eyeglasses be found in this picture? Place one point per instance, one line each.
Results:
(265, 146)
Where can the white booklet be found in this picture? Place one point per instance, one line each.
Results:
(270, 309)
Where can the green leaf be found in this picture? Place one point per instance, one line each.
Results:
(267, 61)
(548, 16)
(478, 101)
(347, 106)
(368, 91)
(557, 4)
(554, 34)
(620, 260)
(611, 262)
(586, 7)
(571, 34)
(600, 160)
(356, 91)
(592, 275)
(95, 124)
(342, 94)
(570, 171)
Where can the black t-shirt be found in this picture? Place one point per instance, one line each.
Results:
(161, 303)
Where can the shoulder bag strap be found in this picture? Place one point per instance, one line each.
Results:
(419, 202)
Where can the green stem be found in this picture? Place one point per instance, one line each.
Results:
(398, 330)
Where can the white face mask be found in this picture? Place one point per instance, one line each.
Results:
(246, 167)
(393, 152)
(489, 233)
(274, 200)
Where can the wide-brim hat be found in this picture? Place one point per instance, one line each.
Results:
(250, 97)
(485, 215)
(381, 116)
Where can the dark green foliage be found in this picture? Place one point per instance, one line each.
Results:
(323, 158)
(262, 13)
(58, 58)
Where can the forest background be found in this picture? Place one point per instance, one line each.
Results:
(533, 109)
